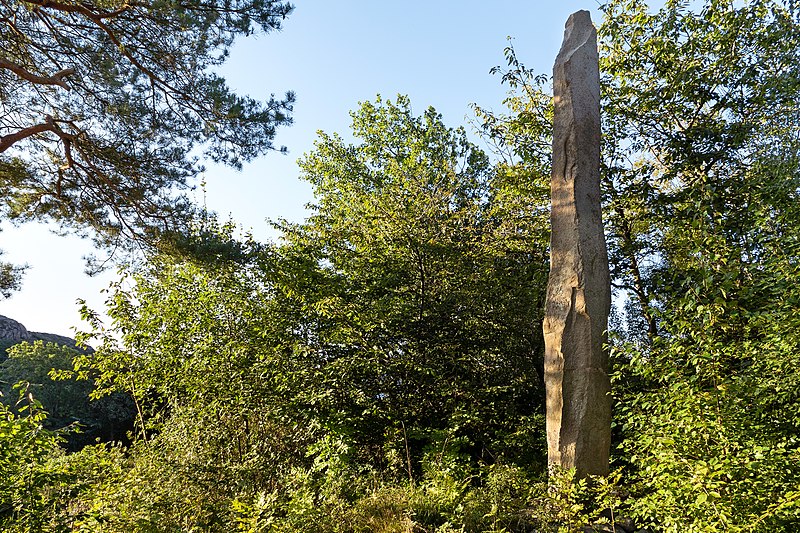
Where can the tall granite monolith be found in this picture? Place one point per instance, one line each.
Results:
(579, 287)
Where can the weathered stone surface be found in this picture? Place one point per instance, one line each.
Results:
(11, 330)
(579, 288)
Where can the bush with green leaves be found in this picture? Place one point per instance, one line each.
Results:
(46, 371)
(44, 488)
(24, 447)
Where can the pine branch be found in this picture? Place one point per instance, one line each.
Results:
(83, 9)
(55, 79)
(7, 141)
(49, 124)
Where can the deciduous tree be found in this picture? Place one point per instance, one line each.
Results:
(430, 272)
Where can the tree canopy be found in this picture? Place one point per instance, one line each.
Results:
(424, 291)
(392, 330)
(703, 197)
(109, 108)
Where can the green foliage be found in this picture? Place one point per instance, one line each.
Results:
(494, 499)
(197, 346)
(32, 364)
(703, 214)
(313, 382)
(24, 445)
(423, 285)
(5, 344)
(10, 278)
(46, 371)
(42, 487)
(714, 432)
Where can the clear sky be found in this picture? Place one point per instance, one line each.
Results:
(333, 54)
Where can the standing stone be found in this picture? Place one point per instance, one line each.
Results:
(579, 287)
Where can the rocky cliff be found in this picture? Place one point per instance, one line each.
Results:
(12, 332)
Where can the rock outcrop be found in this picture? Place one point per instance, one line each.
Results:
(12, 332)
(579, 288)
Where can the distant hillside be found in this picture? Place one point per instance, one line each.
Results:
(12, 332)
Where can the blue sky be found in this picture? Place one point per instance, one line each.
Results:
(333, 55)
